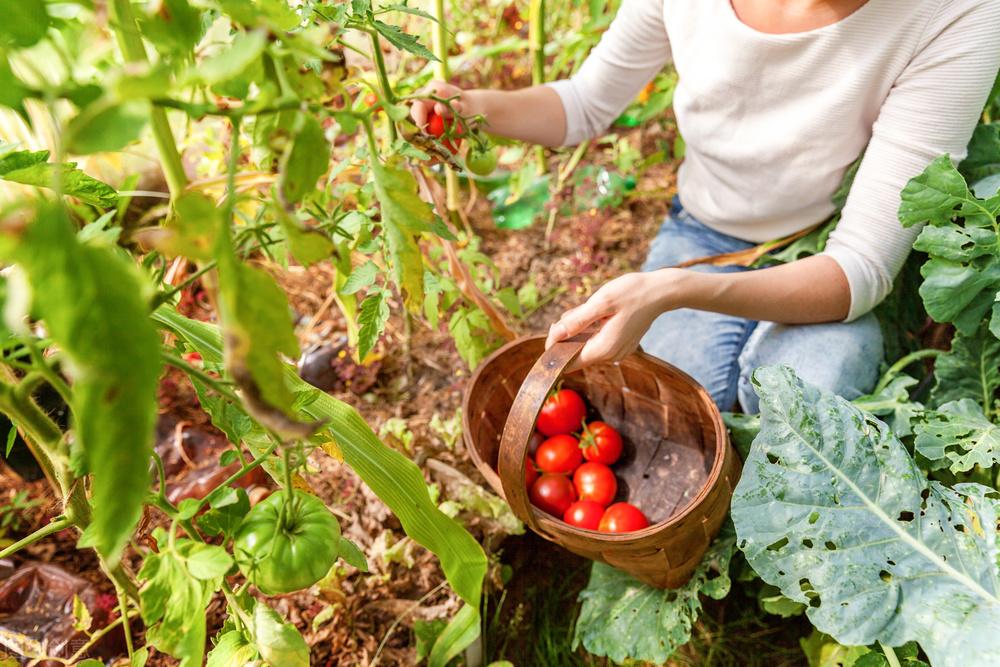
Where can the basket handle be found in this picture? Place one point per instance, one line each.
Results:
(521, 423)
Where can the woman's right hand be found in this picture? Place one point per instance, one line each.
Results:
(420, 109)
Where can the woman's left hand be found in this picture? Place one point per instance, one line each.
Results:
(625, 307)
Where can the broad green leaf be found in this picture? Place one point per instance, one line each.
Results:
(971, 369)
(208, 562)
(624, 619)
(372, 317)
(396, 480)
(404, 217)
(110, 127)
(962, 276)
(174, 29)
(24, 22)
(306, 244)
(742, 430)
(461, 631)
(959, 436)
(274, 13)
(94, 304)
(173, 603)
(833, 511)
(352, 555)
(401, 40)
(307, 159)
(893, 404)
(360, 278)
(225, 517)
(193, 227)
(231, 649)
(824, 651)
(139, 658)
(983, 158)
(32, 168)
(230, 62)
(279, 642)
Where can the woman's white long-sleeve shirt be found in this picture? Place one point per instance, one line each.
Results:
(772, 121)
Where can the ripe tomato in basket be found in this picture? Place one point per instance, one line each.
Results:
(559, 454)
(595, 481)
(562, 412)
(530, 472)
(601, 443)
(584, 514)
(622, 518)
(553, 494)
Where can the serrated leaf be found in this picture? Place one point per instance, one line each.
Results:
(32, 168)
(361, 277)
(406, 9)
(193, 226)
(306, 160)
(306, 244)
(624, 619)
(230, 62)
(224, 519)
(231, 649)
(208, 562)
(24, 23)
(401, 40)
(175, 28)
(971, 369)
(94, 305)
(958, 436)
(372, 317)
(404, 217)
(110, 127)
(279, 642)
(833, 511)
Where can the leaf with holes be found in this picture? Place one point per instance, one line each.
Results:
(971, 369)
(958, 436)
(833, 511)
(624, 619)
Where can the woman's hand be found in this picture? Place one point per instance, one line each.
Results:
(421, 109)
(625, 307)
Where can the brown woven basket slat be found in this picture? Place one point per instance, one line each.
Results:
(677, 465)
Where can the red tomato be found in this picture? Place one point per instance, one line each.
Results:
(584, 514)
(553, 494)
(622, 518)
(559, 454)
(530, 473)
(595, 481)
(436, 127)
(562, 412)
(536, 439)
(601, 443)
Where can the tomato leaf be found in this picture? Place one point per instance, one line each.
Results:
(401, 40)
(372, 318)
(12, 90)
(624, 619)
(208, 562)
(279, 642)
(306, 244)
(193, 227)
(352, 555)
(305, 161)
(833, 511)
(107, 127)
(175, 29)
(404, 217)
(959, 436)
(231, 61)
(93, 302)
(32, 168)
(24, 23)
(360, 278)
(231, 649)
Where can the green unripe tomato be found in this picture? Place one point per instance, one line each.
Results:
(481, 161)
(282, 558)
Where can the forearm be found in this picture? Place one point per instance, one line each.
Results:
(806, 291)
(532, 114)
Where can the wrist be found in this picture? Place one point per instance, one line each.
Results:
(475, 103)
(677, 288)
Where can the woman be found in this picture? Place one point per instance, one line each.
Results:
(776, 98)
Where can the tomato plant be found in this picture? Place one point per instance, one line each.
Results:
(563, 412)
(481, 160)
(559, 454)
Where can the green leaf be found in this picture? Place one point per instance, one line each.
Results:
(971, 369)
(824, 651)
(352, 555)
(12, 91)
(404, 217)
(983, 158)
(307, 245)
(24, 23)
(140, 657)
(193, 227)
(426, 633)
(110, 127)
(231, 61)
(208, 562)
(959, 436)
(232, 649)
(372, 318)
(225, 518)
(893, 405)
(401, 40)
(624, 619)
(279, 642)
(32, 168)
(833, 511)
(174, 29)
(461, 631)
(93, 302)
(306, 160)
(360, 278)
(395, 479)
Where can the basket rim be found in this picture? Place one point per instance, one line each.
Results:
(554, 524)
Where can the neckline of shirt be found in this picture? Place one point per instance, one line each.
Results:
(837, 25)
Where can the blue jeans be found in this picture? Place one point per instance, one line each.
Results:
(721, 351)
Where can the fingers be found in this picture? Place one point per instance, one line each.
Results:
(418, 112)
(421, 109)
(577, 319)
(609, 344)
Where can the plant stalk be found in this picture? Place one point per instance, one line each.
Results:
(441, 72)
(903, 362)
(53, 527)
(536, 45)
(383, 82)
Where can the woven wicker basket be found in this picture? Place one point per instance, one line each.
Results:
(677, 466)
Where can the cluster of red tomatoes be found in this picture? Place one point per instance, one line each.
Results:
(570, 476)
